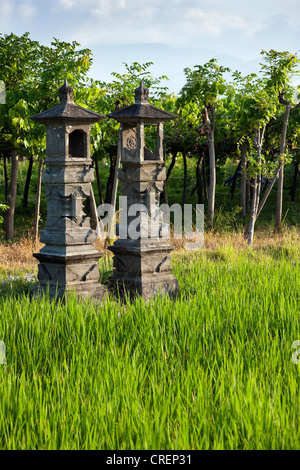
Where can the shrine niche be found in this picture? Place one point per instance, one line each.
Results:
(77, 144)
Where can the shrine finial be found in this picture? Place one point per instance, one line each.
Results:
(66, 93)
(142, 94)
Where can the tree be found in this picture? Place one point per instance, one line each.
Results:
(11, 200)
(18, 59)
(255, 107)
(204, 86)
(279, 67)
(181, 136)
(32, 74)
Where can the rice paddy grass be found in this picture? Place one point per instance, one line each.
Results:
(210, 369)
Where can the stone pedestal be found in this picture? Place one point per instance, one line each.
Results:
(68, 262)
(144, 270)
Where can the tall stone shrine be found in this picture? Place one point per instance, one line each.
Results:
(142, 264)
(68, 262)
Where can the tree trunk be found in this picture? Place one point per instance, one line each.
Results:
(163, 194)
(11, 199)
(115, 181)
(37, 204)
(265, 184)
(272, 155)
(5, 179)
(204, 179)
(242, 194)
(184, 178)
(94, 214)
(212, 167)
(27, 183)
(256, 189)
(271, 184)
(98, 181)
(250, 229)
(199, 179)
(172, 164)
(295, 181)
(232, 189)
(278, 215)
(110, 181)
(248, 190)
(259, 206)
(20, 167)
(113, 202)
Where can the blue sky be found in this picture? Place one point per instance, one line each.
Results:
(173, 34)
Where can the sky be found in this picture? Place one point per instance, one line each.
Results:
(173, 34)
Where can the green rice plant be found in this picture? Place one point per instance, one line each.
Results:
(210, 369)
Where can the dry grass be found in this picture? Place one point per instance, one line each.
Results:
(263, 238)
(18, 256)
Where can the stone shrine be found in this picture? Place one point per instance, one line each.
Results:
(142, 264)
(68, 261)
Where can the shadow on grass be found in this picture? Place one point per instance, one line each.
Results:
(16, 288)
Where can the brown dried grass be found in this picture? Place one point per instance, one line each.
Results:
(19, 255)
(262, 239)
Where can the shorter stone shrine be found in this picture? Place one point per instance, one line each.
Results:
(142, 265)
(68, 262)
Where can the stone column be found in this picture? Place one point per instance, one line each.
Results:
(142, 264)
(68, 262)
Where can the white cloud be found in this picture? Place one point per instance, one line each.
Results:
(6, 9)
(101, 8)
(212, 22)
(97, 8)
(27, 10)
(66, 4)
(224, 25)
(148, 13)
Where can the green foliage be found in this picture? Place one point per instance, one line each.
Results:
(205, 89)
(226, 221)
(205, 84)
(104, 98)
(255, 105)
(278, 68)
(3, 208)
(32, 74)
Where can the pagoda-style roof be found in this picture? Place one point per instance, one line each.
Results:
(67, 109)
(141, 110)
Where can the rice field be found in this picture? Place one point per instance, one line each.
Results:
(211, 369)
